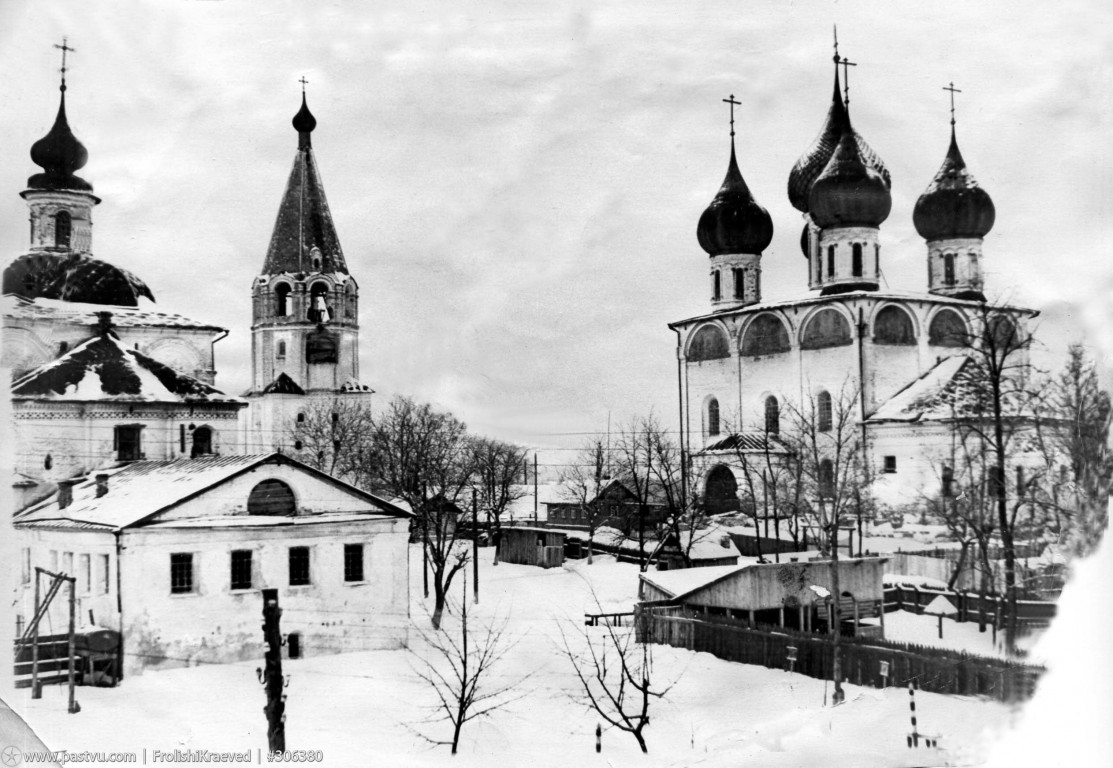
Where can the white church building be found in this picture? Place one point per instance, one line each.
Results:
(747, 358)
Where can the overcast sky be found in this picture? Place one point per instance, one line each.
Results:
(516, 188)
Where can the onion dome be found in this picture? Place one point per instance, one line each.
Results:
(804, 237)
(953, 205)
(849, 193)
(815, 159)
(59, 154)
(304, 123)
(73, 277)
(734, 222)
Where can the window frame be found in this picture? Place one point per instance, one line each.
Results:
(182, 582)
(353, 558)
(889, 465)
(303, 580)
(235, 571)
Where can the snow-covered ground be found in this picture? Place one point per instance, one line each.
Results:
(368, 708)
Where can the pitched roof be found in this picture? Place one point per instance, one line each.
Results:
(87, 313)
(102, 368)
(926, 397)
(683, 581)
(749, 442)
(304, 223)
(283, 385)
(142, 489)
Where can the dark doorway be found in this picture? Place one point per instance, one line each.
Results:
(293, 642)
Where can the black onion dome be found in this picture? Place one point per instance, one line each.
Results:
(73, 277)
(734, 222)
(59, 154)
(849, 193)
(804, 237)
(304, 122)
(815, 159)
(953, 205)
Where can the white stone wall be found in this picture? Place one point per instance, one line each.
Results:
(45, 204)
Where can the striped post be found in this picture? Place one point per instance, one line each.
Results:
(914, 737)
(598, 738)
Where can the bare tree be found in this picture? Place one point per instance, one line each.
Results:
(334, 437)
(616, 677)
(582, 481)
(685, 519)
(497, 467)
(459, 672)
(830, 451)
(649, 465)
(424, 457)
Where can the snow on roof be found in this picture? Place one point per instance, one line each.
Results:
(138, 490)
(710, 544)
(747, 442)
(85, 313)
(684, 580)
(102, 368)
(921, 399)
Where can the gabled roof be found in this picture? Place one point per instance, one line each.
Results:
(929, 397)
(654, 492)
(683, 581)
(102, 368)
(283, 385)
(139, 491)
(749, 442)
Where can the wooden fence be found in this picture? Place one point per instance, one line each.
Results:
(934, 669)
(1030, 614)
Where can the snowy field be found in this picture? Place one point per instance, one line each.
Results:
(371, 708)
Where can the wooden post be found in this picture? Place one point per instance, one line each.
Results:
(73, 705)
(475, 544)
(36, 689)
(272, 678)
(782, 612)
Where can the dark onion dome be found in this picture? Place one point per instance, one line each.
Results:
(804, 236)
(815, 159)
(73, 277)
(304, 122)
(734, 222)
(953, 204)
(59, 154)
(849, 193)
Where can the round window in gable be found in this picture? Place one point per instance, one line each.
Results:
(271, 497)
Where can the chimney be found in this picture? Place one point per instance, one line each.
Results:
(102, 484)
(65, 493)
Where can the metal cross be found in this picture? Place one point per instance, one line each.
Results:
(846, 79)
(303, 82)
(836, 28)
(953, 91)
(733, 104)
(64, 48)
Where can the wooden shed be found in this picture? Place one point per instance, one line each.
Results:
(532, 546)
(796, 595)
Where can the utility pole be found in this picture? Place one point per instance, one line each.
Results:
(535, 487)
(475, 543)
(74, 707)
(272, 678)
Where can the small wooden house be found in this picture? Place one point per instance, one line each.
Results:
(797, 595)
(532, 546)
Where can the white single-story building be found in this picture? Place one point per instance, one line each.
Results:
(174, 554)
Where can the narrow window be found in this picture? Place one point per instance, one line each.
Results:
(63, 228)
(353, 562)
(948, 489)
(280, 352)
(830, 261)
(319, 311)
(67, 563)
(715, 286)
(48, 462)
(104, 574)
(25, 559)
(739, 283)
(1020, 486)
(823, 409)
(181, 573)
(54, 560)
(877, 260)
(241, 569)
(301, 418)
(299, 566)
(948, 269)
(712, 417)
(86, 574)
(281, 299)
(772, 416)
(856, 260)
(181, 438)
(826, 479)
(202, 442)
(757, 284)
(128, 443)
(890, 464)
(63, 347)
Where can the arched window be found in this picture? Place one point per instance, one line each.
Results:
(877, 259)
(63, 229)
(281, 299)
(716, 286)
(757, 284)
(710, 342)
(947, 330)
(48, 462)
(271, 497)
(830, 261)
(826, 479)
(893, 326)
(319, 311)
(301, 418)
(772, 416)
(948, 269)
(827, 328)
(823, 411)
(202, 442)
(856, 260)
(1002, 332)
(280, 352)
(712, 417)
(739, 283)
(721, 491)
(766, 335)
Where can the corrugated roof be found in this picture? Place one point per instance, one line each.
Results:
(143, 488)
(748, 442)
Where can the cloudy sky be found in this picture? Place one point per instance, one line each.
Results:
(516, 186)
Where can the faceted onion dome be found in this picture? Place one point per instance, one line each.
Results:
(953, 204)
(849, 193)
(73, 277)
(59, 154)
(815, 159)
(734, 222)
